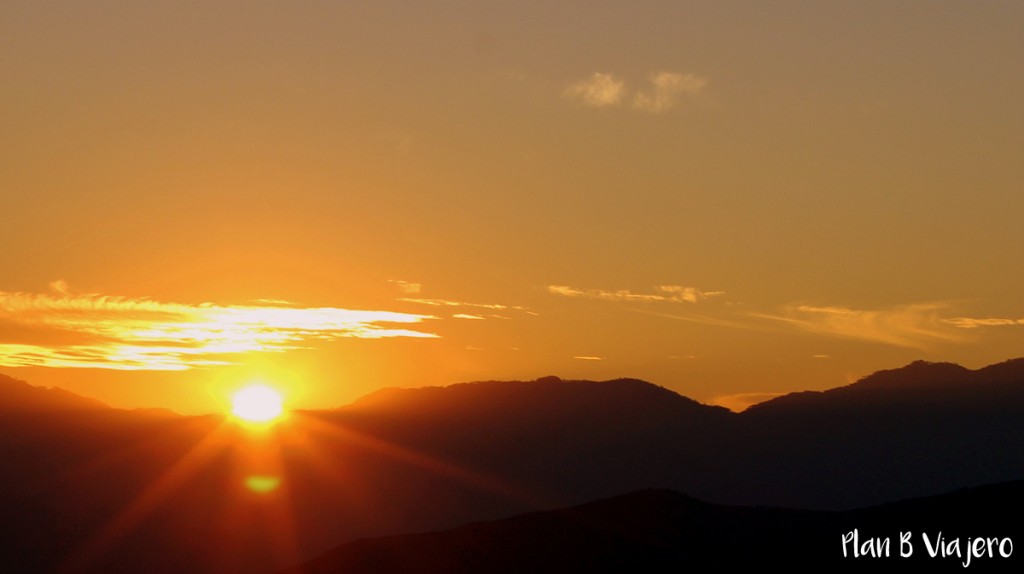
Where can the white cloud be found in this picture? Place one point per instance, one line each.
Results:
(666, 88)
(588, 358)
(600, 90)
(111, 332)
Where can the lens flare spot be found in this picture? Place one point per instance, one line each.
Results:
(262, 483)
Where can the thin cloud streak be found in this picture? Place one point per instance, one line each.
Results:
(664, 293)
(915, 326)
(407, 287)
(972, 323)
(449, 303)
(111, 332)
(704, 320)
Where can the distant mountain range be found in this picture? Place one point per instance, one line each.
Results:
(666, 531)
(88, 488)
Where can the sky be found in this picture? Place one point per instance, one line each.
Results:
(728, 199)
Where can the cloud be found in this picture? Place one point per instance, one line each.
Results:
(704, 320)
(663, 293)
(275, 302)
(59, 286)
(971, 323)
(663, 93)
(406, 286)
(915, 326)
(599, 90)
(111, 332)
(449, 303)
(466, 316)
(588, 358)
(688, 294)
(666, 89)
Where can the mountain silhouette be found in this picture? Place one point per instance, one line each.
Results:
(17, 396)
(916, 385)
(646, 531)
(666, 531)
(923, 429)
(88, 488)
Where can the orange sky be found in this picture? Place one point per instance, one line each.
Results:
(719, 197)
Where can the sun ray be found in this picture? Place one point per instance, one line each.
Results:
(82, 557)
(260, 509)
(477, 479)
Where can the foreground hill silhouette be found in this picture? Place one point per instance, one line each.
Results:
(87, 488)
(666, 531)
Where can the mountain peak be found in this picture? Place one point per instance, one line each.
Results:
(916, 375)
(916, 383)
(16, 394)
(549, 393)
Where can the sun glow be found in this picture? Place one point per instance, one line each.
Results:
(257, 404)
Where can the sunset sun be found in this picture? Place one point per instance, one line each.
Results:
(520, 286)
(257, 404)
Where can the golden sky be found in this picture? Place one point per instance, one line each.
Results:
(729, 199)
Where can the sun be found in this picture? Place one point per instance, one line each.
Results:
(257, 404)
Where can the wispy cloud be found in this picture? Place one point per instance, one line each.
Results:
(451, 303)
(915, 326)
(972, 323)
(599, 90)
(662, 293)
(742, 322)
(406, 287)
(588, 358)
(664, 91)
(59, 286)
(111, 332)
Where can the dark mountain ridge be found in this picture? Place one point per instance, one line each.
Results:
(17, 396)
(424, 459)
(918, 383)
(667, 531)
